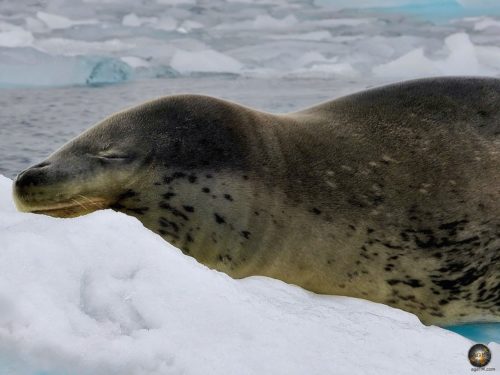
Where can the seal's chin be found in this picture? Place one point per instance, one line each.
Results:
(72, 208)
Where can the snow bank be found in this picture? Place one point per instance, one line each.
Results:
(100, 294)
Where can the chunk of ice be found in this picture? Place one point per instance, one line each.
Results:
(55, 21)
(207, 61)
(14, 36)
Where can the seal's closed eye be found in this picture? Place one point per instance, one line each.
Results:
(108, 155)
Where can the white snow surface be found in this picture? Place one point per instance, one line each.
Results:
(101, 294)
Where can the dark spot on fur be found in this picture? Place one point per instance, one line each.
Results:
(245, 233)
(188, 208)
(138, 210)
(315, 210)
(178, 175)
(168, 195)
(219, 219)
(228, 197)
(390, 246)
(414, 283)
(128, 194)
(164, 222)
(192, 179)
(173, 210)
(205, 190)
(167, 233)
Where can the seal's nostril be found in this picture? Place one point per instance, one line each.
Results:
(41, 165)
(18, 182)
(31, 177)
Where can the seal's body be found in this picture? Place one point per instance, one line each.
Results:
(391, 195)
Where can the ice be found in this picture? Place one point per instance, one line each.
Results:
(462, 59)
(55, 21)
(71, 47)
(207, 61)
(28, 67)
(133, 20)
(104, 71)
(135, 62)
(362, 39)
(313, 35)
(166, 23)
(13, 36)
(415, 62)
(486, 23)
(268, 22)
(102, 295)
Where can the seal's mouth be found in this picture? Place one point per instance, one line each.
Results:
(75, 207)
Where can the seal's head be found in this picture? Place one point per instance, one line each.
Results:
(127, 152)
(88, 173)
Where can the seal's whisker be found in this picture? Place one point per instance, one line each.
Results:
(79, 203)
(90, 201)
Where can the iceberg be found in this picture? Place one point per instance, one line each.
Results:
(463, 59)
(27, 67)
(102, 295)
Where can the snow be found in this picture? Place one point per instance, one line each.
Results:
(101, 294)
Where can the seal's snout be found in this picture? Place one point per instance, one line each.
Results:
(32, 176)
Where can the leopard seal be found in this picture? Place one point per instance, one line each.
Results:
(391, 194)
